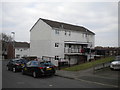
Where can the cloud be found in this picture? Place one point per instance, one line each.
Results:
(100, 18)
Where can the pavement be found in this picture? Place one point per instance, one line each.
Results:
(74, 74)
(103, 77)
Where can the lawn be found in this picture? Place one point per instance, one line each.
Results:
(89, 64)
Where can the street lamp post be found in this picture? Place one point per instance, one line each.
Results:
(13, 44)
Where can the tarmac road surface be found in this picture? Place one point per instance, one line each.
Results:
(17, 80)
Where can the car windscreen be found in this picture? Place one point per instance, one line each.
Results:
(34, 63)
(46, 64)
(16, 61)
(23, 61)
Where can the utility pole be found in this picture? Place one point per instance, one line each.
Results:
(13, 44)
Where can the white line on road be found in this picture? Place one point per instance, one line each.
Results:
(97, 83)
(50, 85)
(20, 83)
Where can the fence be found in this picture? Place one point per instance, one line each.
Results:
(59, 63)
(101, 66)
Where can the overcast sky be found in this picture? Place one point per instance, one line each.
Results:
(99, 17)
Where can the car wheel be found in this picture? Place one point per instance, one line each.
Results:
(111, 68)
(35, 74)
(8, 68)
(52, 74)
(14, 70)
(23, 73)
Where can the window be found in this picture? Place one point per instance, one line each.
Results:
(69, 46)
(25, 48)
(25, 56)
(56, 31)
(65, 33)
(56, 44)
(17, 56)
(56, 57)
(28, 64)
(46, 63)
(69, 33)
(34, 63)
(84, 35)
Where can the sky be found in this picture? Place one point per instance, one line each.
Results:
(99, 16)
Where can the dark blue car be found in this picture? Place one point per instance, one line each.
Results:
(38, 69)
(16, 64)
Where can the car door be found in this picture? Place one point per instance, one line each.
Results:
(34, 66)
(28, 67)
(11, 64)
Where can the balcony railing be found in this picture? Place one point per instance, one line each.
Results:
(70, 50)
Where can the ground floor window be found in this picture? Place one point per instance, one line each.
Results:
(56, 57)
(56, 44)
(17, 56)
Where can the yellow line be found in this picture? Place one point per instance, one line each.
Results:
(96, 82)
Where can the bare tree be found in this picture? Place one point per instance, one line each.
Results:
(5, 40)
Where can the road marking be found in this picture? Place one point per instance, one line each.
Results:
(50, 85)
(107, 77)
(96, 82)
(20, 82)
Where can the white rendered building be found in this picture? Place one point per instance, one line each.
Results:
(60, 40)
(22, 49)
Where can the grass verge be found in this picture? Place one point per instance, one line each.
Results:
(88, 64)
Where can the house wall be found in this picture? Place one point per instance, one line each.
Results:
(21, 52)
(61, 37)
(43, 39)
(40, 39)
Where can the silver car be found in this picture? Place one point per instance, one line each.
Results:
(116, 63)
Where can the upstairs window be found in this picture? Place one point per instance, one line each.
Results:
(25, 48)
(56, 31)
(65, 32)
(69, 33)
(84, 35)
(56, 44)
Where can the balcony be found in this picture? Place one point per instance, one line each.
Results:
(72, 51)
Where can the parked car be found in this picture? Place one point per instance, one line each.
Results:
(116, 63)
(38, 68)
(16, 64)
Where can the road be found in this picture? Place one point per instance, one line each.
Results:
(17, 80)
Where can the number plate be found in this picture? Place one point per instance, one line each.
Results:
(48, 68)
(25, 68)
(22, 64)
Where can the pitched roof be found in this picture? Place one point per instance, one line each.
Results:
(22, 45)
(56, 24)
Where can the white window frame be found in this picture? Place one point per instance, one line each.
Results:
(57, 31)
(56, 44)
(56, 57)
(65, 32)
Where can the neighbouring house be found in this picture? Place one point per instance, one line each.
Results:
(61, 41)
(15, 49)
(22, 49)
(107, 51)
